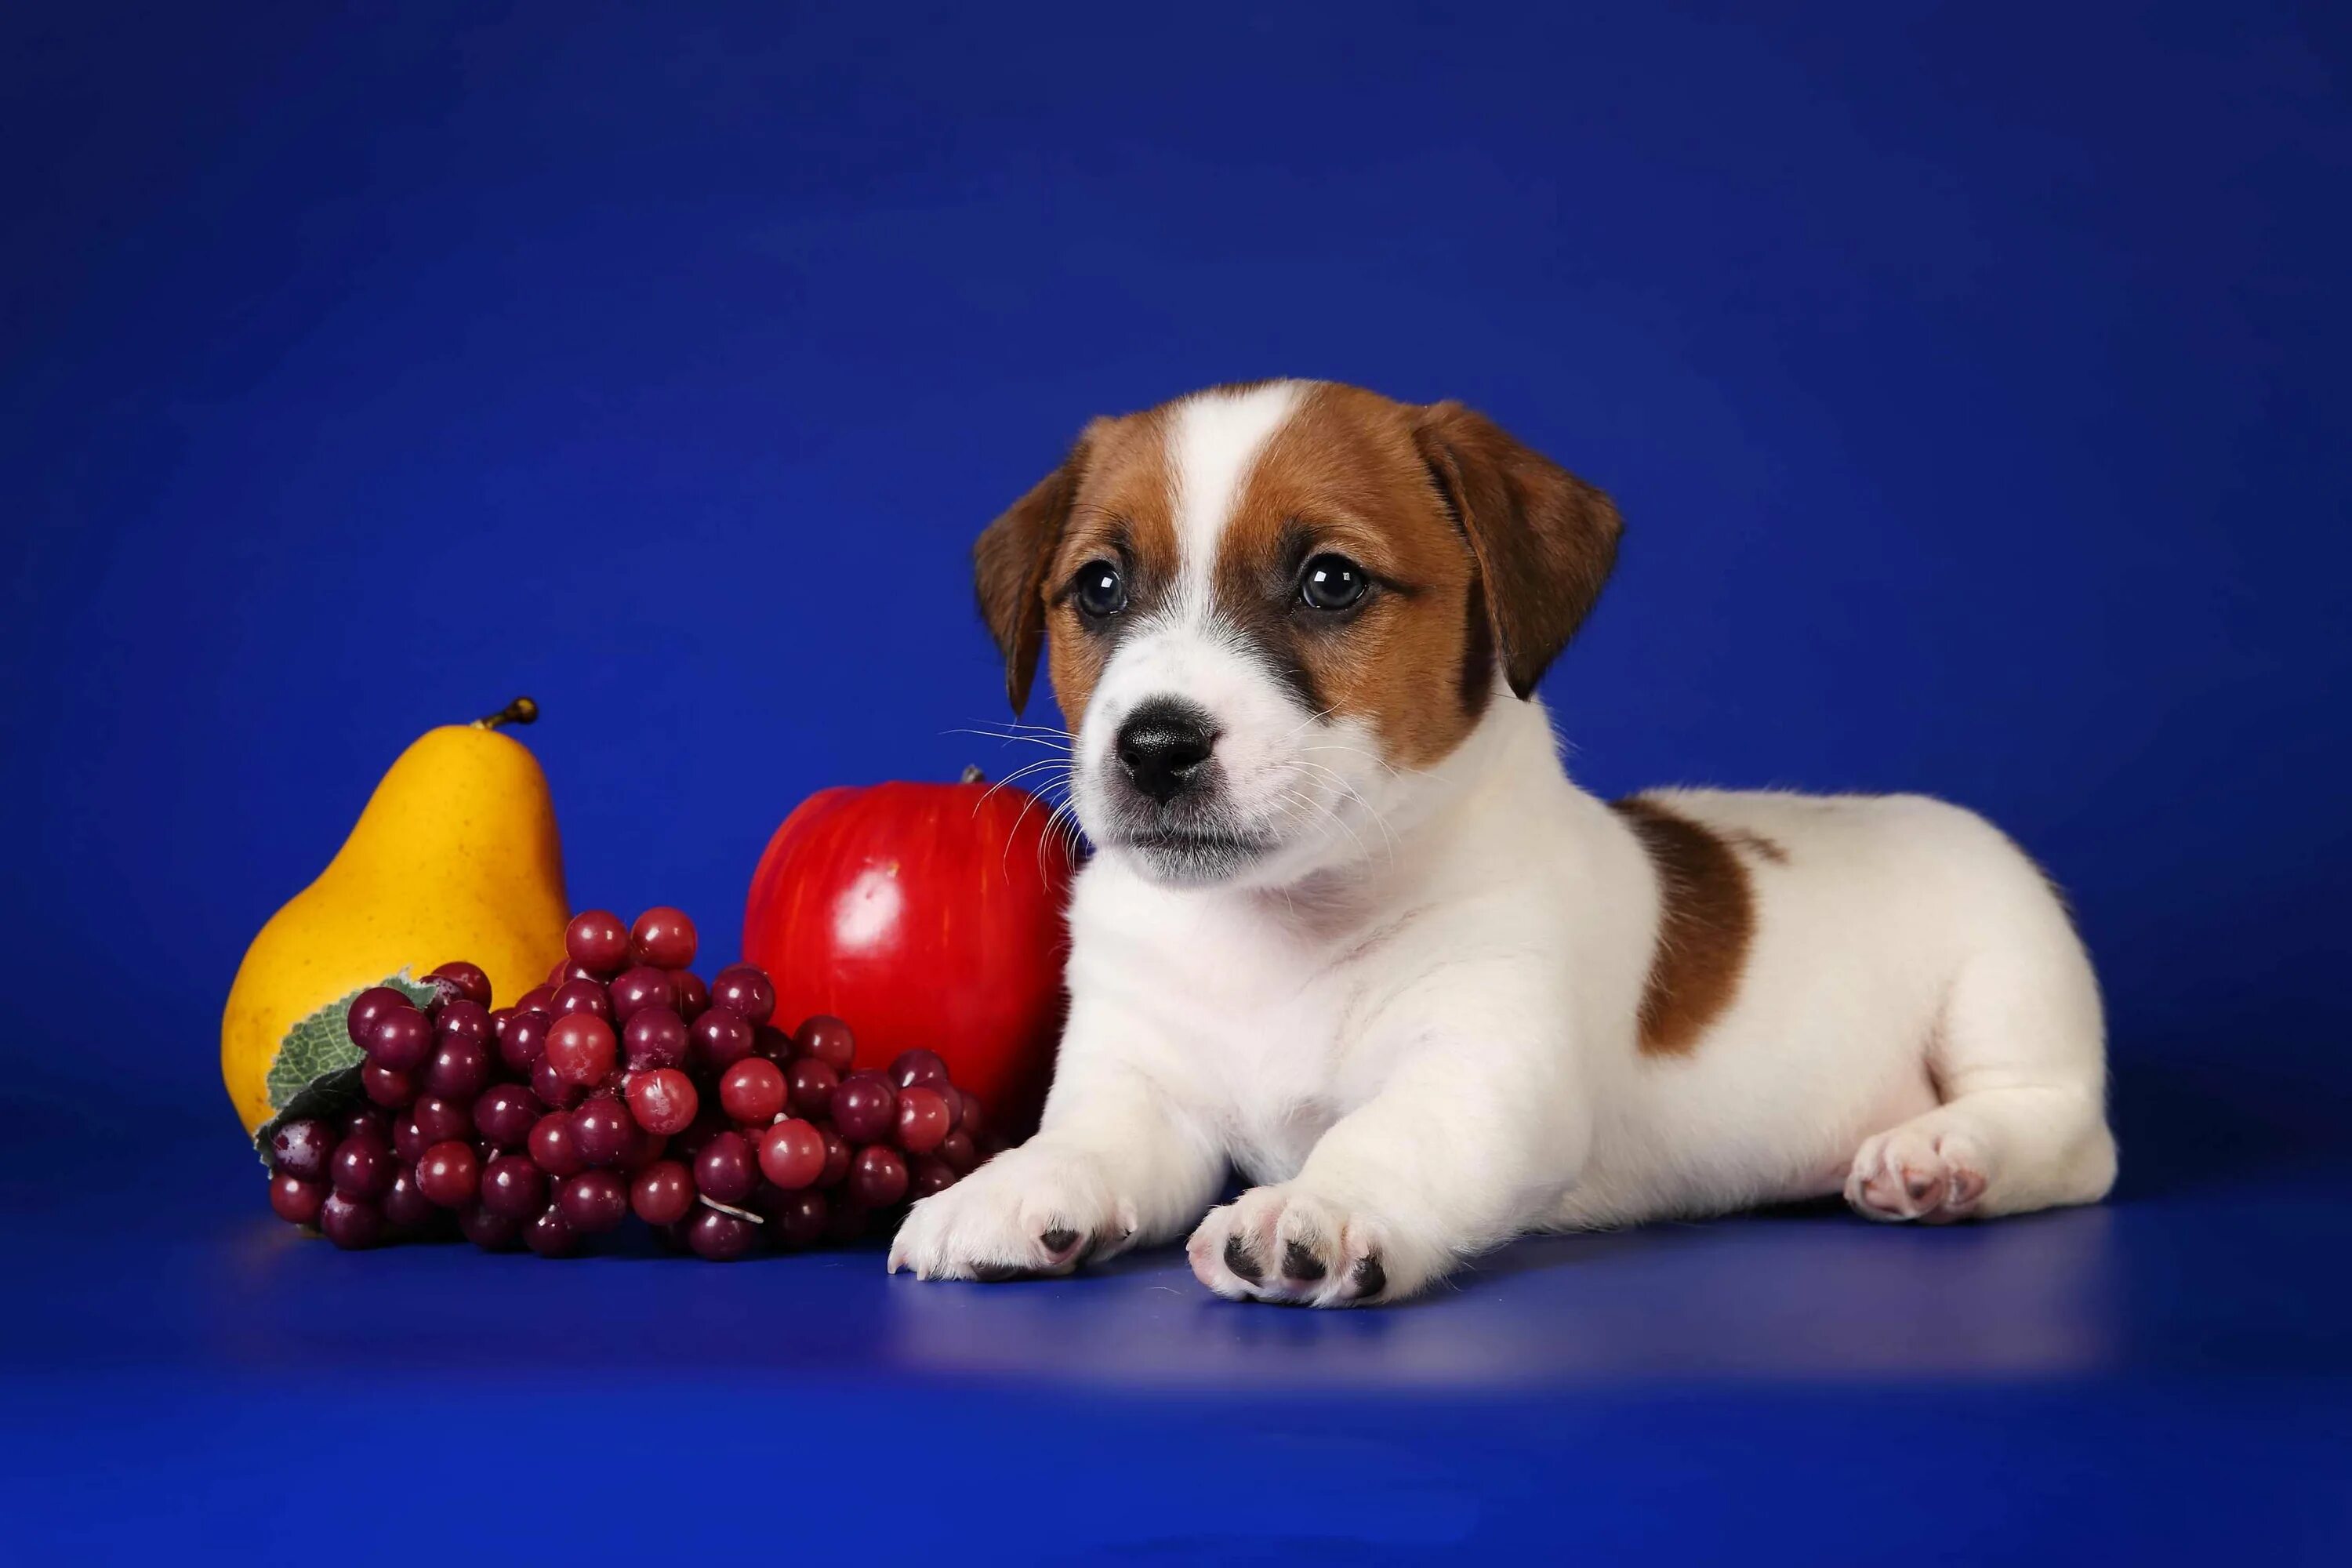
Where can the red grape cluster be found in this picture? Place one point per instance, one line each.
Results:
(623, 1085)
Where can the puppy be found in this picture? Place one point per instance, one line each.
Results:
(1351, 930)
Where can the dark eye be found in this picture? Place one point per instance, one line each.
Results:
(1100, 590)
(1332, 583)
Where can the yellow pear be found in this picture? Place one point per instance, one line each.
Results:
(455, 857)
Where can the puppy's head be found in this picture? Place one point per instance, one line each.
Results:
(1270, 610)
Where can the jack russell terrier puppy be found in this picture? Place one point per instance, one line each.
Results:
(1351, 930)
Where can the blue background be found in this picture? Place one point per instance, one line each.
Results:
(1970, 379)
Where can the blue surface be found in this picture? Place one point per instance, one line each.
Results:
(1971, 382)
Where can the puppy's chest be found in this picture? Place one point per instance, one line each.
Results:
(1270, 1030)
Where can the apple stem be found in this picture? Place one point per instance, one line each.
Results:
(971, 773)
(522, 710)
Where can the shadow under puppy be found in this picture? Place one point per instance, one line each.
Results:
(1351, 931)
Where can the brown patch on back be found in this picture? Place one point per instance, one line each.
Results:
(1706, 916)
(1756, 844)
(1343, 474)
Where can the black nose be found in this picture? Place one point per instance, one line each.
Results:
(1162, 745)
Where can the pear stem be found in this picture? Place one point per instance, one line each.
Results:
(971, 774)
(522, 710)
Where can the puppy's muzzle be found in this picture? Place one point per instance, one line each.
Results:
(1163, 748)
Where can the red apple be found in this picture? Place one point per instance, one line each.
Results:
(925, 915)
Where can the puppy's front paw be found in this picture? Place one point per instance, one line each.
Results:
(1289, 1245)
(1032, 1210)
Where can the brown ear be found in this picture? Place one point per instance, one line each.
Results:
(1543, 538)
(1009, 569)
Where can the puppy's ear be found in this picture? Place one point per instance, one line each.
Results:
(1543, 538)
(1008, 568)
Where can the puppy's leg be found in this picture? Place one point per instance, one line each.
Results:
(2020, 1061)
(1118, 1162)
(1480, 1130)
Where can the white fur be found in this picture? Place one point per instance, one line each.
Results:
(1414, 1024)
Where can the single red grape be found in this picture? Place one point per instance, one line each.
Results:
(693, 995)
(792, 1154)
(662, 1193)
(654, 1038)
(554, 1090)
(466, 1018)
(370, 1006)
(923, 1120)
(837, 1154)
(499, 1018)
(877, 1177)
(602, 1130)
(362, 1166)
(296, 1199)
(582, 996)
(439, 1120)
(663, 1100)
(956, 1153)
(581, 1048)
(537, 999)
(460, 1069)
(514, 1187)
(471, 982)
(302, 1147)
(592, 1202)
(752, 1092)
(504, 1114)
(374, 1123)
(918, 1069)
(490, 1232)
(828, 1039)
(386, 1087)
(810, 1084)
(551, 1234)
(719, 1040)
(400, 1040)
(925, 1175)
(450, 1174)
(525, 1039)
(351, 1223)
(719, 1237)
(773, 1043)
(968, 1116)
(708, 1123)
(663, 936)
(634, 990)
(408, 1212)
(865, 1107)
(596, 940)
(794, 1219)
(744, 990)
(408, 1141)
(726, 1169)
(552, 1149)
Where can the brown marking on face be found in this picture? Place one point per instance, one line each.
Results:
(1486, 555)
(1110, 498)
(1706, 916)
(1343, 475)
(1123, 510)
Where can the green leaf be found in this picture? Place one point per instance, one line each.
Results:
(317, 1070)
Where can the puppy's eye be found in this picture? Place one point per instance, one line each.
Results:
(1100, 590)
(1332, 583)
